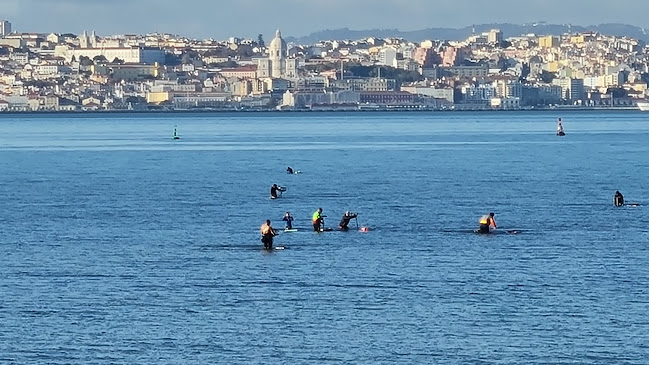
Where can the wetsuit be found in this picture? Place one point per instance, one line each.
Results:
(267, 234)
(274, 189)
(317, 221)
(485, 222)
(289, 221)
(344, 222)
(618, 200)
(289, 171)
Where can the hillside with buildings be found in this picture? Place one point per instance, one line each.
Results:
(486, 70)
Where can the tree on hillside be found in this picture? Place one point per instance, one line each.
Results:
(260, 41)
(85, 61)
(320, 67)
(99, 58)
(227, 64)
(525, 71)
(401, 76)
(504, 44)
(547, 77)
(617, 92)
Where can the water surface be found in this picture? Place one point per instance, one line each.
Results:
(121, 245)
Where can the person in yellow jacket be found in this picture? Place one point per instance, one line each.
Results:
(267, 234)
(487, 221)
(318, 221)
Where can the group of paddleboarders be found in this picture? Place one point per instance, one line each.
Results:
(486, 222)
(318, 220)
(268, 232)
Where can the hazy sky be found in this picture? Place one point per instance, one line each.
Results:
(246, 18)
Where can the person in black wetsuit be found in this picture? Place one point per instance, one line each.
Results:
(274, 189)
(288, 218)
(344, 222)
(289, 170)
(618, 199)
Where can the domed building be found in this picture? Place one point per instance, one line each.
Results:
(277, 65)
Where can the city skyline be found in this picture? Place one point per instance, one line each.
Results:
(247, 18)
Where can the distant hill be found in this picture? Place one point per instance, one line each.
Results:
(509, 30)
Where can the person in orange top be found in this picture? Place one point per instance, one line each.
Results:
(267, 234)
(485, 222)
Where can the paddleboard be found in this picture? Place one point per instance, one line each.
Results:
(291, 230)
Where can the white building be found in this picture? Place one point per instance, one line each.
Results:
(388, 57)
(506, 103)
(495, 36)
(277, 65)
(126, 54)
(508, 88)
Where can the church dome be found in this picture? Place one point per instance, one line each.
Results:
(278, 46)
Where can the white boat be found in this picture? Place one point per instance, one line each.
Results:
(643, 106)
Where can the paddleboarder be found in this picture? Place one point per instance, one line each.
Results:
(318, 220)
(618, 199)
(267, 234)
(344, 222)
(288, 218)
(274, 189)
(487, 221)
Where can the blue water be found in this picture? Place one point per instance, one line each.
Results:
(122, 246)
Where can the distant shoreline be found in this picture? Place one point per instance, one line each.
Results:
(320, 111)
